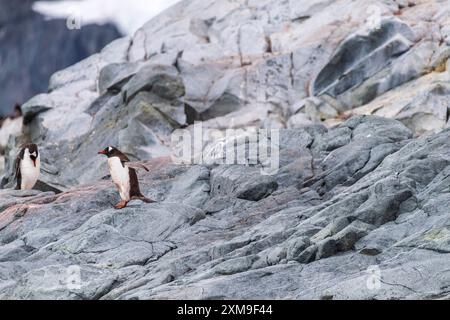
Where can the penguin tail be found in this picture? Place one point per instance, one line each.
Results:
(137, 166)
(144, 199)
(147, 200)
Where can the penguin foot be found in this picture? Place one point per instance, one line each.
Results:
(121, 205)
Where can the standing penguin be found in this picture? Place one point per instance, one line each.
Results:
(124, 177)
(27, 167)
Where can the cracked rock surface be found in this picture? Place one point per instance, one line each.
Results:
(388, 208)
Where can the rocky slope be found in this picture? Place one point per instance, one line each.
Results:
(30, 50)
(358, 208)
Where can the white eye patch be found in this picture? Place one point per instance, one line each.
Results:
(109, 149)
(33, 154)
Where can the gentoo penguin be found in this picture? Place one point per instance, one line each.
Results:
(27, 167)
(124, 176)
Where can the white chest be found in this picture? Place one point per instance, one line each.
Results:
(120, 176)
(29, 171)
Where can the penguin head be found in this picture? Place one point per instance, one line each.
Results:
(110, 152)
(32, 151)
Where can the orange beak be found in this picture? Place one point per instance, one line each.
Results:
(102, 152)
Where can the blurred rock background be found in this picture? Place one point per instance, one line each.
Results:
(35, 42)
(33, 48)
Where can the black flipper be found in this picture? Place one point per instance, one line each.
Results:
(135, 165)
(17, 173)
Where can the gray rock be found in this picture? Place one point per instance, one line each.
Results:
(299, 120)
(235, 265)
(159, 79)
(347, 238)
(243, 182)
(308, 255)
(115, 75)
(326, 248)
(149, 250)
(350, 66)
(384, 201)
(296, 248)
(35, 106)
(411, 65)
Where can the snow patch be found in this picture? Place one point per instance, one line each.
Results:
(127, 16)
